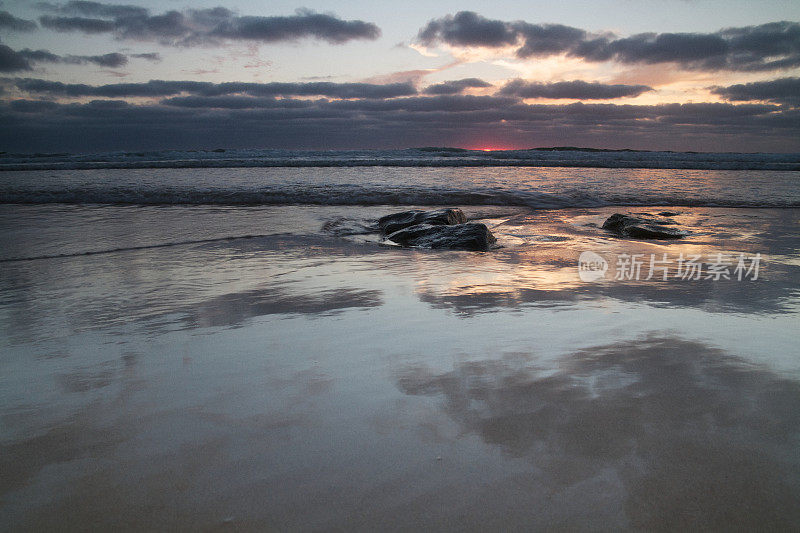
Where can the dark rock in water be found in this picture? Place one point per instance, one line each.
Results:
(640, 228)
(343, 227)
(668, 214)
(443, 229)
(443, 217)
(472, 236)
(652, 231)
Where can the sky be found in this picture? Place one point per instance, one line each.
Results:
(697, 75)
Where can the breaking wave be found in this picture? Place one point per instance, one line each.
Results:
(415, 157)
(351, 195)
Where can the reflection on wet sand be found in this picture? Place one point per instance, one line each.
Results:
(530, 287)
(249, 384)
(537, 267)
(697, 438)
(235, 308)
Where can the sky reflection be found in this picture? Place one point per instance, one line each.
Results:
(698, 438)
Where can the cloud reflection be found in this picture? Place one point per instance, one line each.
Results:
(234, 309)
(698, 438)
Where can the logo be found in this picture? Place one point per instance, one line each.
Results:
(591, 266)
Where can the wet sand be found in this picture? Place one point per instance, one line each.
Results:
(317, 380)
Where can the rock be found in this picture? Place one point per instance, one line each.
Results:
(668, 214)
(640, 228)
(471, 236)
(443, 217)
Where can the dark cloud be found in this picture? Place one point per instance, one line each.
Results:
(202, 26)
(112, 60)
(150, 56)
(81, 24)
(155, 88)
(335, 90)
(235, 120)
(427, 104)
(667, 47)
(234, 102)
(752, 44)
(541, 40)
(782, 91)
(303, 24)
(114, 90)
(577, 89)
(32, 106)
(456, 86)
(769, 46)
(40, 56)
(78, 7)
(466, 28)
(12, 61)
(10, 22)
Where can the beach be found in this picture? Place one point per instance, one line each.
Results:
(344, 267)
(213, 366)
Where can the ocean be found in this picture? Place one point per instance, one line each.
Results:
(211, 340)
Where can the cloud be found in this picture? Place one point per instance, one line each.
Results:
(335, 90)
(303, 24)
(469, 29)
(39, 56)
(84, 25)
(112, 60)
(12, 61)
(114, 90)
(201, 26)
(782, 91)
(466, 28)
(236, 120)
(32, 106)
(657, 48)
(234, 102)
(456, 86)
(10, 22)
(770, 46)
(150, 56)
(751, 45)
(156, 88)
(541, 40)
(427, 104)
(90, 8)
(577, 89)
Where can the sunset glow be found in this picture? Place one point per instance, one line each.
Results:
(431, 266)
(93, 76)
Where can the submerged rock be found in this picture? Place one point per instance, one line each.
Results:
(641, 228)
(442, 217)
(471, 236)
